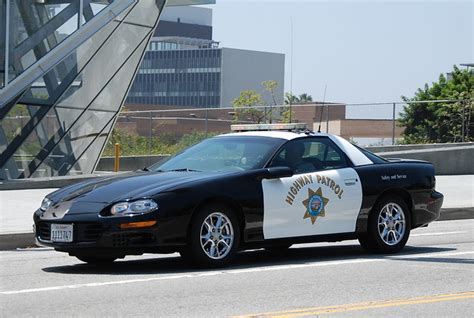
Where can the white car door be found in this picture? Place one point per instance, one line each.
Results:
(324, 195)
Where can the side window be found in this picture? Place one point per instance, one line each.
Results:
(308, 155)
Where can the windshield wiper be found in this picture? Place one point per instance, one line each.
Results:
(185, 169)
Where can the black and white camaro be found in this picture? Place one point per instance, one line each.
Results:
(255, 189)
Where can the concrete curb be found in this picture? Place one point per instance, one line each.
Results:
(22, 240)
(16, 240)
(456, 214)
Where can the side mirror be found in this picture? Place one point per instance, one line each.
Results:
(279, 172)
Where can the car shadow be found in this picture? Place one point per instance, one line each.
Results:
(438, 260)
(173, 264)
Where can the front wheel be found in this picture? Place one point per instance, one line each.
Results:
(389, 226)
(214, 237)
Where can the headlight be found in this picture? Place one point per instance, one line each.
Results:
(132, 208)
(46, 204)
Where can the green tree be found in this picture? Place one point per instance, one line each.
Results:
(250, 105)
(305, 98)
(244, 106)
(293, 99)
(165, 143)
(285, 112)
(440, 122)
(290, 99)
(270, 87)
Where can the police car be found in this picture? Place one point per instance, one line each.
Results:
(270, 187)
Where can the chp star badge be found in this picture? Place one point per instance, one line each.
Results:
(315, 204)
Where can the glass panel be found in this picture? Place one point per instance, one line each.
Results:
(102, 68)
(124, 13)
(89, 47)
(37, 27)
(145, 12)
(16, 119)
(58, 120)
(45, 134)
(113, 94)
(27, 152)
(87, 161)
(47, 89)
(67, 116)
(70, 148)
(2, 41)
(92, 7)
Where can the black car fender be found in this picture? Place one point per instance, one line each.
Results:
(412, 181)
(225, 189)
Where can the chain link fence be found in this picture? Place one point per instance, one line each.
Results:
(142, 130)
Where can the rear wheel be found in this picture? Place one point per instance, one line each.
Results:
(213, 238)
(388, 226)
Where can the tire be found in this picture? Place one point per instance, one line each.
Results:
(213, 238)
(97, 260)
(388, 226)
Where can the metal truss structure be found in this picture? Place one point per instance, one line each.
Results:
(66, 68)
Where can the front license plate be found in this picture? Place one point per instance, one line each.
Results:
(61, 232)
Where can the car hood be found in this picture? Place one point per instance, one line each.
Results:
(126, 186)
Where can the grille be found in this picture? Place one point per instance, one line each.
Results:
(90, 231)
(120, 240)
(132, 239)
(83, 232)
(44, 231)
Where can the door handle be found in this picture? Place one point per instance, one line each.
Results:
(350, 181)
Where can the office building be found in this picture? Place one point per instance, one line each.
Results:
(184, 66)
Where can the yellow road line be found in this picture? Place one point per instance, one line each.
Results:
(365, 305)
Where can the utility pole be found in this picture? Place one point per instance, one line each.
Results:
(393, 124)
(463, 103)
(291, 66)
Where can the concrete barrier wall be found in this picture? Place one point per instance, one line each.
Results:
(377, 149)
(447, 161)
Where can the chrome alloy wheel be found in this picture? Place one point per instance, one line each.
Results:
(391, 224)
(217, 235)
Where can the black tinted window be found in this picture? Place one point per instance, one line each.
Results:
(372, 157)
(310, 154)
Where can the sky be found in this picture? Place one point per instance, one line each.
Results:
(363, 51)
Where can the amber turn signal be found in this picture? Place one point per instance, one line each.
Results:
(134, 225)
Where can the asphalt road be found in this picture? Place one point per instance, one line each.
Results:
(432, 277)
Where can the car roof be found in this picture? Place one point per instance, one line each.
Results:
(354, 154)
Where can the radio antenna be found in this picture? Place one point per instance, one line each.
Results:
(322, 108)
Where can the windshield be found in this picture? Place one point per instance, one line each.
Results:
(223, 154)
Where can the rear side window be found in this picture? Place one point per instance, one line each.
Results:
(310, 154)
(372, 157)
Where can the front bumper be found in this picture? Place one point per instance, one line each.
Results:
(94, 234)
